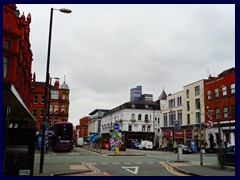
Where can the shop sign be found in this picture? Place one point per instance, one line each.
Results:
(166, 133)
(178, 134)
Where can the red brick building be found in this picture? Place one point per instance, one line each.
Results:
(19, 131)
(17, 53)
(83, 127)
(58, 102)
(219, 98)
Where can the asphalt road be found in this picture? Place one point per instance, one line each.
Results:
(153, 164)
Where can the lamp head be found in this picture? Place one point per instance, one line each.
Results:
(64, 10)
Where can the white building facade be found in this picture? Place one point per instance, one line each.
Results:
(135, 116)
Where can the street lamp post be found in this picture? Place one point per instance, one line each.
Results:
(47, 87)
(177, 127)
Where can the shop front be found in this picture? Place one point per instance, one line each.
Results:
(167, 140)
(179, 136)
(189, 137)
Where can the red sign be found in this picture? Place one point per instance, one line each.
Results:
(166, 133)
(178, 134)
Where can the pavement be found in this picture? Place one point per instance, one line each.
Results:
(81, 169)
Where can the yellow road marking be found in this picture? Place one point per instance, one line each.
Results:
(170, 169)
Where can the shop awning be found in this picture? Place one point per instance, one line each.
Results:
(19, 113)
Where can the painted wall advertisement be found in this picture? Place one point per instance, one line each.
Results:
(115, 140)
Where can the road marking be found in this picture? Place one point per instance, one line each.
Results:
(150, 162)
(131, 171)
(171, 170)
(138, 163)
(104, 163)
(92, 167)
(115, 163)
(127, 163)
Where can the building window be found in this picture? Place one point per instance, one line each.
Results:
(51, 108)
(42, 113)
(171, 103)
(7, 45)
(34, 112)
(165, 119)
(35, 99)
(197, 90)
(209, 94)
(63, 96)
(198, 119)
(133, 117)
(188, 106)
(187, 93)
(63, 109)
(233, 88)
(56, 109)
(148, 128)
(146, 117)
(43, 100)
(179, 114)
(188, 119)
(5, 66)
(54, 94)
(143, 128)
(172, 117)
(197, 103)
(179, 101)
(139, 117)
(224, 90)
(130, 128)
(225, 112)
(216, 93)
(217, 115)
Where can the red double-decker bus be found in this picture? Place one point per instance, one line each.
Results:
(63, 137)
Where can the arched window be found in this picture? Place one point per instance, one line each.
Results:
(146, 117)
(139, 117)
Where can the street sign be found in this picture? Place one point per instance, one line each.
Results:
(116, 126)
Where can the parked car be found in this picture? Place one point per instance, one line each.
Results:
(185, 149)
(80, 142)
(229, 155)
(134, 144)
(146, 145)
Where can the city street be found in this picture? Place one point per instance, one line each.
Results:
(153, 163)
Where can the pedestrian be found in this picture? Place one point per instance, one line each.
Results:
(175, 146)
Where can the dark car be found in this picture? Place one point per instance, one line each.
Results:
(229, 155)
(185, 149)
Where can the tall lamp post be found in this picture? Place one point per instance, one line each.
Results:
(47, 87)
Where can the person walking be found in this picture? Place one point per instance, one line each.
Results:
(175, 146)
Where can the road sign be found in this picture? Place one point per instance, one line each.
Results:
(116, 126)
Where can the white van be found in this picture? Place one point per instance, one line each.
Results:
(80, 142)
(146, 145)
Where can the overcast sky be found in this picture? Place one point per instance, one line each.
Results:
(105, 50)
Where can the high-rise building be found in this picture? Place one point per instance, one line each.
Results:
(136, 93)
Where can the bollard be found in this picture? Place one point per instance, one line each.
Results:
(116, 150)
